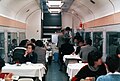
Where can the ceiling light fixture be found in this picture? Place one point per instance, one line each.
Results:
(54, 6)
(54, 3)
(92, 1)
(54, 10)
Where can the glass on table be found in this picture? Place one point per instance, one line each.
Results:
(90, 79)
(17, 62)
(80, 61)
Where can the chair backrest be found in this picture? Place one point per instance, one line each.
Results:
(25, 79)
(18, 54)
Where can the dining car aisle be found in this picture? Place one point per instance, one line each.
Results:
(54, 74)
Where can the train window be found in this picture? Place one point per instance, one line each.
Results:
(98, 41)
(112, 42)
(2, 50)
(21, 36)
(12, 40)
(87, 35)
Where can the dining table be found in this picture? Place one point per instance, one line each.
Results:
(25, 70)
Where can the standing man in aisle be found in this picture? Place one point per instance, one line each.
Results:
(66, 49)
(61, 41)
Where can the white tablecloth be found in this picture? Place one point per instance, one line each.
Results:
(73, 69)
(31, 70)
(75, 57)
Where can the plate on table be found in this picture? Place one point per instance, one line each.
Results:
(15, 77)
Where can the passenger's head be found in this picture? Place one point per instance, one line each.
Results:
(2, 63)
(67, 29)
(112, 62)
(88, 41)
(32, 40)
(39, 43)
(75, 39)
(81, 42)
(94, 58)
(14, 41)
(30, 48)
(24, 43)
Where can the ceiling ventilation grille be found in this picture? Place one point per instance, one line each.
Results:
(92, 1)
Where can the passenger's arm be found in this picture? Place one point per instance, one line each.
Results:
(81, 74)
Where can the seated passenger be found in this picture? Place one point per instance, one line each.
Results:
(77, 38)
(94, 68)
(18, 52)
(86, 49)
(112, 63)
(118, 54)
(14, 44)
(18, 55)
(24, 43)
(7, 77)
(67, 48)
(30, 55)
(80, 44)
(40, 51)
(33, 41)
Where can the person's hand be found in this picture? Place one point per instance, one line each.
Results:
(90, 79)
(8, 77)
(119, 55)
(26, 53)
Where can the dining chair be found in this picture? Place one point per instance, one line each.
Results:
(25, 79)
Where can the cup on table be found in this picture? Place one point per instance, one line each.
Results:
(90, 79)
(28, 63)
(17, 62)
(15, 78)
(82, 79)
(80, 61)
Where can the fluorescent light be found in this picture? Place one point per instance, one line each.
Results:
(54, 10)
(60, 4)
(54, 3)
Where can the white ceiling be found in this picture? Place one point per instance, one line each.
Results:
(89, 11)
(17, 9)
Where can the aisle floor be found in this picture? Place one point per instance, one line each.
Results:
(54, 74)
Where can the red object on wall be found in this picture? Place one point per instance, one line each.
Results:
(80, 24)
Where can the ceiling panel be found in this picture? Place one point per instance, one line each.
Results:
(18, 9)
(91, 11)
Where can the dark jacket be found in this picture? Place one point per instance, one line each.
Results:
(78, 50)
(67, 49)
(87, 72)
(31, 58)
